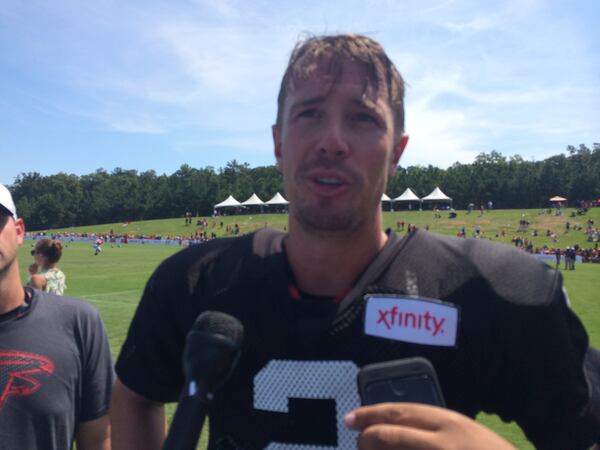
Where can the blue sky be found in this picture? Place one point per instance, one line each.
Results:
(157, 84)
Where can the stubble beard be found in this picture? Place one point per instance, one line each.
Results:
(319, 220)
(342, 217)
(327, 220)
(317, 217)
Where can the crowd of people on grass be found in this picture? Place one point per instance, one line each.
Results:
(585, 255)
(205, 232)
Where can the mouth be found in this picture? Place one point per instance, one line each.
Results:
(328, 181)
(328, 185)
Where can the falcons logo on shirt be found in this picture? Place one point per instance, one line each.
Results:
(19, 372)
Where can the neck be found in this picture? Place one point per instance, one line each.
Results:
(329, 263)
(12, 294)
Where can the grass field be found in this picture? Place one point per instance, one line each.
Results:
(114, 280)
(492, 222)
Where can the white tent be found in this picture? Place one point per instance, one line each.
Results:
(437, 196)
(277, 200)
(558, 199)
(407, 196)
(228, 202)
(385, 198)
(254, 200)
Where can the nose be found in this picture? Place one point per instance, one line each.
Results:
(332, 142)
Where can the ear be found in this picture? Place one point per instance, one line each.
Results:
(20, 228)
(276, 132)
(397, 152)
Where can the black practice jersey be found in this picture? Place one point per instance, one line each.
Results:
(493, 321)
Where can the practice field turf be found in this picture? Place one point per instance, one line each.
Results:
(113, 281)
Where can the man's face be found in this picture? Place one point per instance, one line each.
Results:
(335, 148)
(11, 238)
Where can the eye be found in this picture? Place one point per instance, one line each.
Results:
(309, 113)
(364, 117)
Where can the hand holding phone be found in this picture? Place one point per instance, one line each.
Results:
(419, 426)
(403, 380)
(412, 425)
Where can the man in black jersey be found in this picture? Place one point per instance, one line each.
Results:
(55, 366)
(336, 292)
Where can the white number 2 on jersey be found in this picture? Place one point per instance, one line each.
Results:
(280, 380)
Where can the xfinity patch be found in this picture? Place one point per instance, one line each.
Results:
(411, 319)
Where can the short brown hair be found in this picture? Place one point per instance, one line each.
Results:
(353, 47)
(50, 248)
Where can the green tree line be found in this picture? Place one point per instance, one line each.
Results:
(64, 200)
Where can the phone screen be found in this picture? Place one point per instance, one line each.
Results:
(418, 388)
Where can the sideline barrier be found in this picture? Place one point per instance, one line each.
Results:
(548, 258)
(92, 240)
(552, 258)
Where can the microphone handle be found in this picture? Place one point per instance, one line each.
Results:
(187, 422)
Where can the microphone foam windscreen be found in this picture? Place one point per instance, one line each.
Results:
(225, 325)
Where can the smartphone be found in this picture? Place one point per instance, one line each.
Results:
(402, 380)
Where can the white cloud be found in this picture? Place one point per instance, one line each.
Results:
(225, 9)
(437, 137)
(142, 125)
(217, 59)
(473, 25)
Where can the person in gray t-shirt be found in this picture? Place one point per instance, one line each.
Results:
(55, 366)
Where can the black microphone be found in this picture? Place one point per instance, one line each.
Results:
(211, 352)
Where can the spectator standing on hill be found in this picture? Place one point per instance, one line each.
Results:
(55, 364)
(326, 298)
(570, 256)
(571, 260)
(44, 273)
(529, 247)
